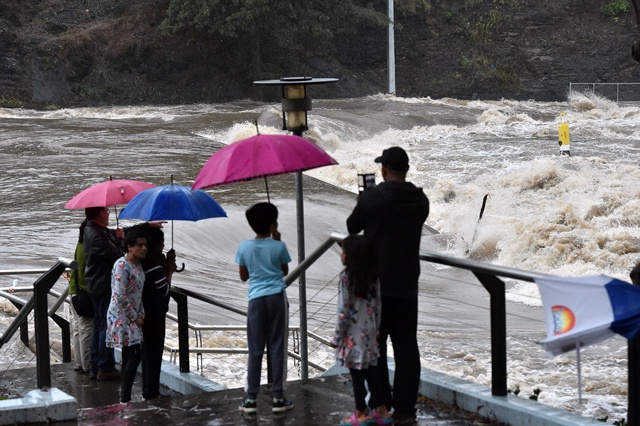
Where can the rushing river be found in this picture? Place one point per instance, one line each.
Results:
(569, 216)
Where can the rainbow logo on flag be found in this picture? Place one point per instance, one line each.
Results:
(563, 319)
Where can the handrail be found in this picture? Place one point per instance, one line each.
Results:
(22, 271)
(335, 237)
(208, 299)
(481, 267)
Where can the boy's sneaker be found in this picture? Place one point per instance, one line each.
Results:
(281, 405)
(248, 406)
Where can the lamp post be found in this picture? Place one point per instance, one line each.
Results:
(295, 105)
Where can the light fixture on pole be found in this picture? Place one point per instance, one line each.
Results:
(295, 105)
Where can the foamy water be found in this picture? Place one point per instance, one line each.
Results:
(560, 215)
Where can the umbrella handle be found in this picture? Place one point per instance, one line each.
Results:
(181, 269)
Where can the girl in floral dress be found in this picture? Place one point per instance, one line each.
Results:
(356, 334)
(126, 313)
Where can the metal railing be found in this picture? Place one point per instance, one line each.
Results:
(592, 86)
(487, 274)
(39, 305)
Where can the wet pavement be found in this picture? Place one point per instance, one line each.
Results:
(320, 401)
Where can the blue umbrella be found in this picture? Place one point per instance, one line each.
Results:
(172, 202)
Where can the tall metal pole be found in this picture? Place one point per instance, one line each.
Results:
(633, 355)
(392, 53)
(295, 103)
(302, 281)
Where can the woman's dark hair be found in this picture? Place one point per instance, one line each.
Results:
(361, 264)
(81, 233)
(132, 236)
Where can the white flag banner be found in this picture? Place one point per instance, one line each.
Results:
(582, 311)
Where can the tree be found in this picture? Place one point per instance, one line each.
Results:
(273, 35)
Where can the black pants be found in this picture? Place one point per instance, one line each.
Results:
(131, 356)
(153, 332)
(358, 378)
(400, 322)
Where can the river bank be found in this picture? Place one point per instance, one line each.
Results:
(68, 54)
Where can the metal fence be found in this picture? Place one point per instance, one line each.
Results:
(619, 92)
(217, 350)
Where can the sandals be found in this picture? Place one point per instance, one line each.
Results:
(373, 419)
(353, 421)
(377, 419)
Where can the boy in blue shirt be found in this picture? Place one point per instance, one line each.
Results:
(264, 262)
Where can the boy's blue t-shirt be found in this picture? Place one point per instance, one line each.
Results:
(263, 258)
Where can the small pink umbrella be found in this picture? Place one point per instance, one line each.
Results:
(261, 156)
(107, 194)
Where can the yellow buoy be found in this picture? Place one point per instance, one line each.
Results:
(563, 137)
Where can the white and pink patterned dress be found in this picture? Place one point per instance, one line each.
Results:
(358, 323)
(127, 281)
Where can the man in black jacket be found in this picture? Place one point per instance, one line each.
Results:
(392, 215)
(102, 247)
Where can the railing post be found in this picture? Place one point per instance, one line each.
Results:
(65, 331)
(24, 334)
(183, 330)
(41, 320)
(496, 289)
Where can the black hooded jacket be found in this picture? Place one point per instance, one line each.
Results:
(101, 250)
(392, 215)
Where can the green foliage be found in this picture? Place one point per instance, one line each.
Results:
(107, 85)
(11, 103)
(614, 8)
(412, 6)
(272, 35)
(501, 69)
(120, 8)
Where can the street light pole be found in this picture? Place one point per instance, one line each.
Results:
(295, 105)
(391, 51)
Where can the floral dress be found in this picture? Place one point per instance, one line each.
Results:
(127, 282)
(358, 323)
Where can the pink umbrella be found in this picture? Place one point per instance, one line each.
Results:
(261, 156)
(107, 194)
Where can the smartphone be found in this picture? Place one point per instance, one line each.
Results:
(366, 181)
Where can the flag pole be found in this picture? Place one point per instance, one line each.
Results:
(579, 374)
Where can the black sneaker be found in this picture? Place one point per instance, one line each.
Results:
(248, 406)
(281, 405)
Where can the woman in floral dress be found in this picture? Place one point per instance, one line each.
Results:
(126, 313)
(356, 334)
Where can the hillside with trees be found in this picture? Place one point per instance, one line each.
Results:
(56, 53)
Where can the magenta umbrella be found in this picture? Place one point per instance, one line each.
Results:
(107, 194)
(261, 156)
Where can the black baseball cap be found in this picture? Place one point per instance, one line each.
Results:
(394, 158)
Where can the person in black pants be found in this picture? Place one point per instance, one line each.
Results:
(158, 271)
(392, 214)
